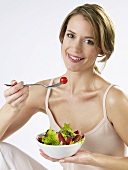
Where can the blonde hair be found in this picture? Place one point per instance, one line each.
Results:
(103, 28)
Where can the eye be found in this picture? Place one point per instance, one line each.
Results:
(89, 42)
(70, 35)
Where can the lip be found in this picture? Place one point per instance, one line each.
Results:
(75, 61)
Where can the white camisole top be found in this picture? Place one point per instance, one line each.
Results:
(102, 139)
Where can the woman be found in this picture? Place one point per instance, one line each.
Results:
(88, 102)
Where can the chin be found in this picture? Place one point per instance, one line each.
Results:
(73, 69)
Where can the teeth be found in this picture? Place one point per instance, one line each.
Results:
(74, 58)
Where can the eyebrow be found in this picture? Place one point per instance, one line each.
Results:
(84, 36)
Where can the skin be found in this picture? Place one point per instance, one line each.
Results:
(76, 96)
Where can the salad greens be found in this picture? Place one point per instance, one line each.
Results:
(65, 136)
(66, 131)
(51, 138)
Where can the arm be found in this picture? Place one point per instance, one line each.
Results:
(97, 160)
(93, 159)
(20, 107)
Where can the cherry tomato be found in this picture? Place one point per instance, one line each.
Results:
(63, 80)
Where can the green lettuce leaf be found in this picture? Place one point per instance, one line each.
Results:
(66, 131)
(51, 138)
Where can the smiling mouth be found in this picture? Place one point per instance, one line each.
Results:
(75, 58)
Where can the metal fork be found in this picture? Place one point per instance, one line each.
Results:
(49, 86)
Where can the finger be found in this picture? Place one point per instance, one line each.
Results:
(19, 103)
(71, 159)
(13, 82)
(12, 90)
(68, 159)
(47, 157)
(16, 96)
(80, 157)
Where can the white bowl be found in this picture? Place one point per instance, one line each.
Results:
(59, 151)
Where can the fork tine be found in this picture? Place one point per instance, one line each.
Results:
(54, 85)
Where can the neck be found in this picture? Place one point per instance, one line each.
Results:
(80, 81)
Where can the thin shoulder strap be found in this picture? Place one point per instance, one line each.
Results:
(104, 100)
(48, 94)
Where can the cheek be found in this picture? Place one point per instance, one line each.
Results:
(66, 43)
(62, 50)
(93, 53)
(63, 53)
(91, 56)
(64, 47)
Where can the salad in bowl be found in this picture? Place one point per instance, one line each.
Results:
(63, 143)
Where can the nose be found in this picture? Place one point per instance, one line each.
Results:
(77, 46)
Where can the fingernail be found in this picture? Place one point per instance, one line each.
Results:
(13, 82)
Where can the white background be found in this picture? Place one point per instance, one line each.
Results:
(30, 51)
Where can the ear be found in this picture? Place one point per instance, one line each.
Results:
(101, 53)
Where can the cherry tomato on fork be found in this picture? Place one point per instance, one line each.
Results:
(63, 80)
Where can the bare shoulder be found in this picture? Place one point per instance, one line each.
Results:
(117, 111)
(116, 95)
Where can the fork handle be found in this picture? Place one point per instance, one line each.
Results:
(25, 84)
(7, 84)
(33, 85)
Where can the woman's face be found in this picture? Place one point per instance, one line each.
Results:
(79, 50)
